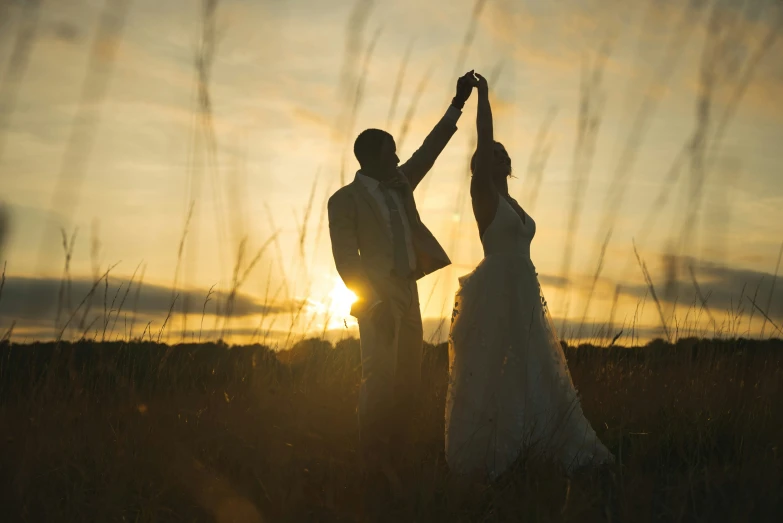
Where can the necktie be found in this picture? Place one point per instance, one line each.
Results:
(402, 265)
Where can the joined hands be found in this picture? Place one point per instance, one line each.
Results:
(465, 85)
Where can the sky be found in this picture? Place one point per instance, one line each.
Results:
(651, 125)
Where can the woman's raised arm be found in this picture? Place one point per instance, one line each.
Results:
(483, 192)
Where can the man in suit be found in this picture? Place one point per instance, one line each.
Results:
(381, 248)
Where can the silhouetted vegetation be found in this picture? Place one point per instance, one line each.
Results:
(142, 431)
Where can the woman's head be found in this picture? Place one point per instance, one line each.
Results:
(501, 162)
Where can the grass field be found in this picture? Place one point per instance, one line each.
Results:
(150, 432)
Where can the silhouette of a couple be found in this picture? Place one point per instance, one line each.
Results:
(509, 384)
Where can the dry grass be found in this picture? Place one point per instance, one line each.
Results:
(14, 72)
(537, 162)
(243, 432)
(84, 127)
(591, 105)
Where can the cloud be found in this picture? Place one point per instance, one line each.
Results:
(601, 332)
(36, 299)
(310, 117)
(723, 285)
(551, 280)
(66, 31)
(437, 331)
(5, 225)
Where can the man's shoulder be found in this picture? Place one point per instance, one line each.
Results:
(341, 195)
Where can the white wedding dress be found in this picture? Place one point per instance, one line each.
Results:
(509, 385)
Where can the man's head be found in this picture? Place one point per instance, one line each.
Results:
(376, 152)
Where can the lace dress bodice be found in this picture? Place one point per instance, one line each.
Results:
(508, 234)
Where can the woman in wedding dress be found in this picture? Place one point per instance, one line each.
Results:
(509, 385)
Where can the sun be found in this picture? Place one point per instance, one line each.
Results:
(340, 300)
(334, 310)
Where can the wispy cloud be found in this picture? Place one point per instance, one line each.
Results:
(35, 299)
(727, 288)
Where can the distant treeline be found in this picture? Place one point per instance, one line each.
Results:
(158, 368)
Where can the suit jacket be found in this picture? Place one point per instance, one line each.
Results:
(361, 241)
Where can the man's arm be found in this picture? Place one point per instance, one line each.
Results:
(345, 249)
(424, 158)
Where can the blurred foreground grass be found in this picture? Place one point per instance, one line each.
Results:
(150, 432)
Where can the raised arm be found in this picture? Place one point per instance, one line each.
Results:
(483, 192)
(345, 249)
(424, 158)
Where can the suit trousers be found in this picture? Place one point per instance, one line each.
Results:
(391, 347)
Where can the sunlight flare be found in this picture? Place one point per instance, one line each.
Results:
(335, 309)
(340, 299)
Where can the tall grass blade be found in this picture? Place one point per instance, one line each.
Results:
(772, 289)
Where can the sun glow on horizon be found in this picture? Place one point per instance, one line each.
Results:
(340, 300)
(335, 309)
